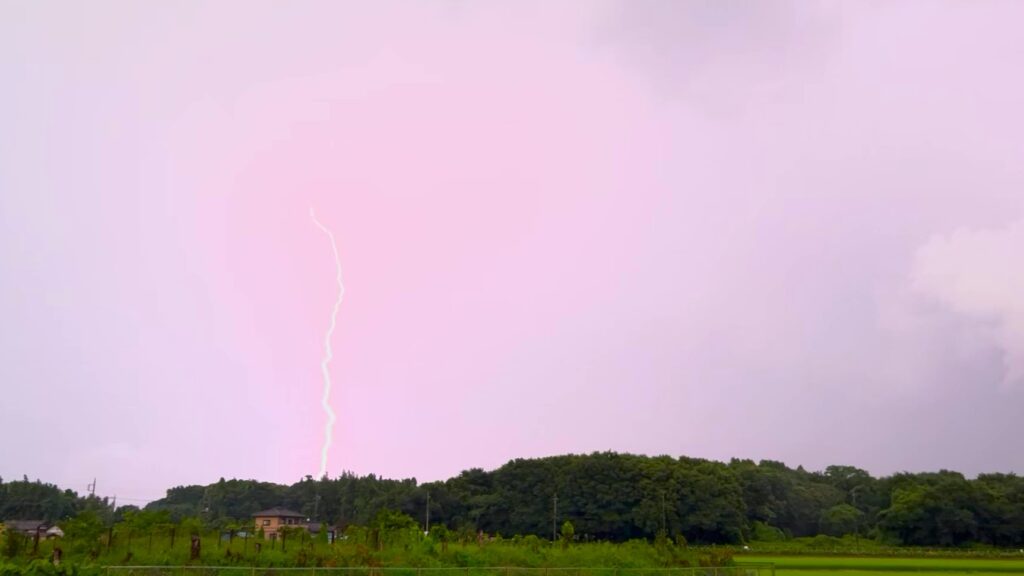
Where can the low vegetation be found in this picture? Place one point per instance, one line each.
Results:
(609, 510)
(391, 540)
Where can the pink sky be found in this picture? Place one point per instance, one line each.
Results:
(713, 228)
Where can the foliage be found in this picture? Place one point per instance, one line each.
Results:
(14, 543)
(36, 501)
(762, 532)
(605, 496)
(568, 532)
(904, 564)
(299, 550)
(83, 532)
(840, 519)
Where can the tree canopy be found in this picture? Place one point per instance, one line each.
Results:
(605, 496)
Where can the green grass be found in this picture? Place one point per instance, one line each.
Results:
(409, 551)
(877, 566)
(844, 572)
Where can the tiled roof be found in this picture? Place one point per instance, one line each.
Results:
(278, 512)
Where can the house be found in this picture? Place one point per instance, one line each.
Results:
(272, 520)
(315, 528)
(27, 527)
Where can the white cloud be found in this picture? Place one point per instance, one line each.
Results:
(980, 274)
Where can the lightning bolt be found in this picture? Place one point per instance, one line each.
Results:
(328, 353)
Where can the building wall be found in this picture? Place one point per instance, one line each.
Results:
(271, 524)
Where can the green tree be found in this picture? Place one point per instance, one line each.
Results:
(931, 509)
(83, 532)
(568, 533)
(441, 533)
(394, 527)
(840, 520)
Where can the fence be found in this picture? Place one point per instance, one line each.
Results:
(742, 570)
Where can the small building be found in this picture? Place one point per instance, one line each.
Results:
(272, 520)
(28, 527)
(316, 527)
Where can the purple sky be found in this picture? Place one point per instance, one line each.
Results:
(715, 228)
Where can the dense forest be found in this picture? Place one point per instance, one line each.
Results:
(613, 497)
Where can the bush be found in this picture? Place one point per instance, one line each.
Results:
(765, 533)
(14, 543)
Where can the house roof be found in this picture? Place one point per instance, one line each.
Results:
(315, 527)
(26, 525)
(278, 512)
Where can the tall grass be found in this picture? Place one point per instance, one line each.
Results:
(412, 549)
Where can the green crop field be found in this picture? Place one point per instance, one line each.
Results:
(874, 566)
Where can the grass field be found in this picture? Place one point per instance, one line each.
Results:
(869, 566)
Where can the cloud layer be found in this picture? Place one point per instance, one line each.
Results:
(651, 226)
(978, 273)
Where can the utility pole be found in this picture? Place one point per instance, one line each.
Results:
(554, 517)
(92, 488)
(427, 529)
(206, 504)
(316, 508)
(856, 532)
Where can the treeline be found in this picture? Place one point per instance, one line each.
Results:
(25, 500)
(618, 497)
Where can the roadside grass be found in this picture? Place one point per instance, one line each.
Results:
(873, 566)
